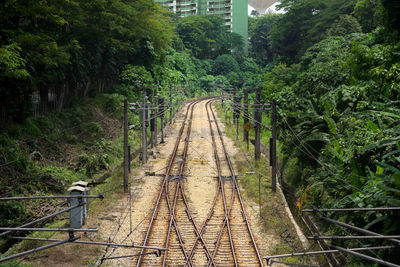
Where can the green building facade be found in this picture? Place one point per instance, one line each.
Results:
(234, 12)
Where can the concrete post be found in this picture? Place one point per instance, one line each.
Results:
(76, 216)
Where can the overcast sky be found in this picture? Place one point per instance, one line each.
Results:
(269, 10)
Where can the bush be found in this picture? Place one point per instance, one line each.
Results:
(225, 64)
(11, 213)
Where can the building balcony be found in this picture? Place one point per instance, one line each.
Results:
(183, 5)
(165, 2)
(219, 2)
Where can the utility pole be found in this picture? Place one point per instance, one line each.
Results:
(126, 151)
(144, 129)
(234, 104)
(161, 110)
(170, 104)
(156, 113)
(237, 103)
(152, 120)
(257, 118)
(246, 116)
(273, 145)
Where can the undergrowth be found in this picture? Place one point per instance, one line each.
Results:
(45, 154)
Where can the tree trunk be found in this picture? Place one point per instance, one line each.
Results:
(86, 91)
(61, 97)
(44, 100)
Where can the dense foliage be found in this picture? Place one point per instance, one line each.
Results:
(334, 71)
(65, 68)
(73, 48)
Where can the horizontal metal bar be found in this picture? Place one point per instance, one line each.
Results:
(44, 218)
(77, 242)
(89, 230)
(38, 249)
(141, 108)
(86, 242)
(354, 237)
(292, 264)
(101, 196)
(355, 228)
(309, 253)
(266, 127)
(157, 253)
(366, 257)
(352, 209)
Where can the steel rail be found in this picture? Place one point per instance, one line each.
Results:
(181, 187)
(227, 211)
(211, 211)
(172, 208)
(237, 190)
(162, 190)
(165, 190)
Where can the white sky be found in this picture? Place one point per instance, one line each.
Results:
(271, 9)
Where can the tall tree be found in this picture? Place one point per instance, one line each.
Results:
(305, 23)
(260, 40)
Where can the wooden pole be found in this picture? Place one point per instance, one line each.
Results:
(126, 155)
(161, 110)
(144, 130)
(170, 104)
(273, 147)
(152, 120)
(155, 111)
(246, 116)
(257, 118)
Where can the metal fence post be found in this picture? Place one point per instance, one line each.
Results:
(273, 145)
(126, 155)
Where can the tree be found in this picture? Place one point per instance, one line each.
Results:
(392, 14)
(225, 64)
(346, 24)
(369, 14)
(304, 24)
(260, 41)
(254, 13)
(77, 47)
(206, 36)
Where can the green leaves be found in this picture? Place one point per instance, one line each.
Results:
(12, 65)
(339, 117)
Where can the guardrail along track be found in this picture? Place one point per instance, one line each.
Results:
(224, 238)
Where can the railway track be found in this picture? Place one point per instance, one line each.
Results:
(224, 238)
